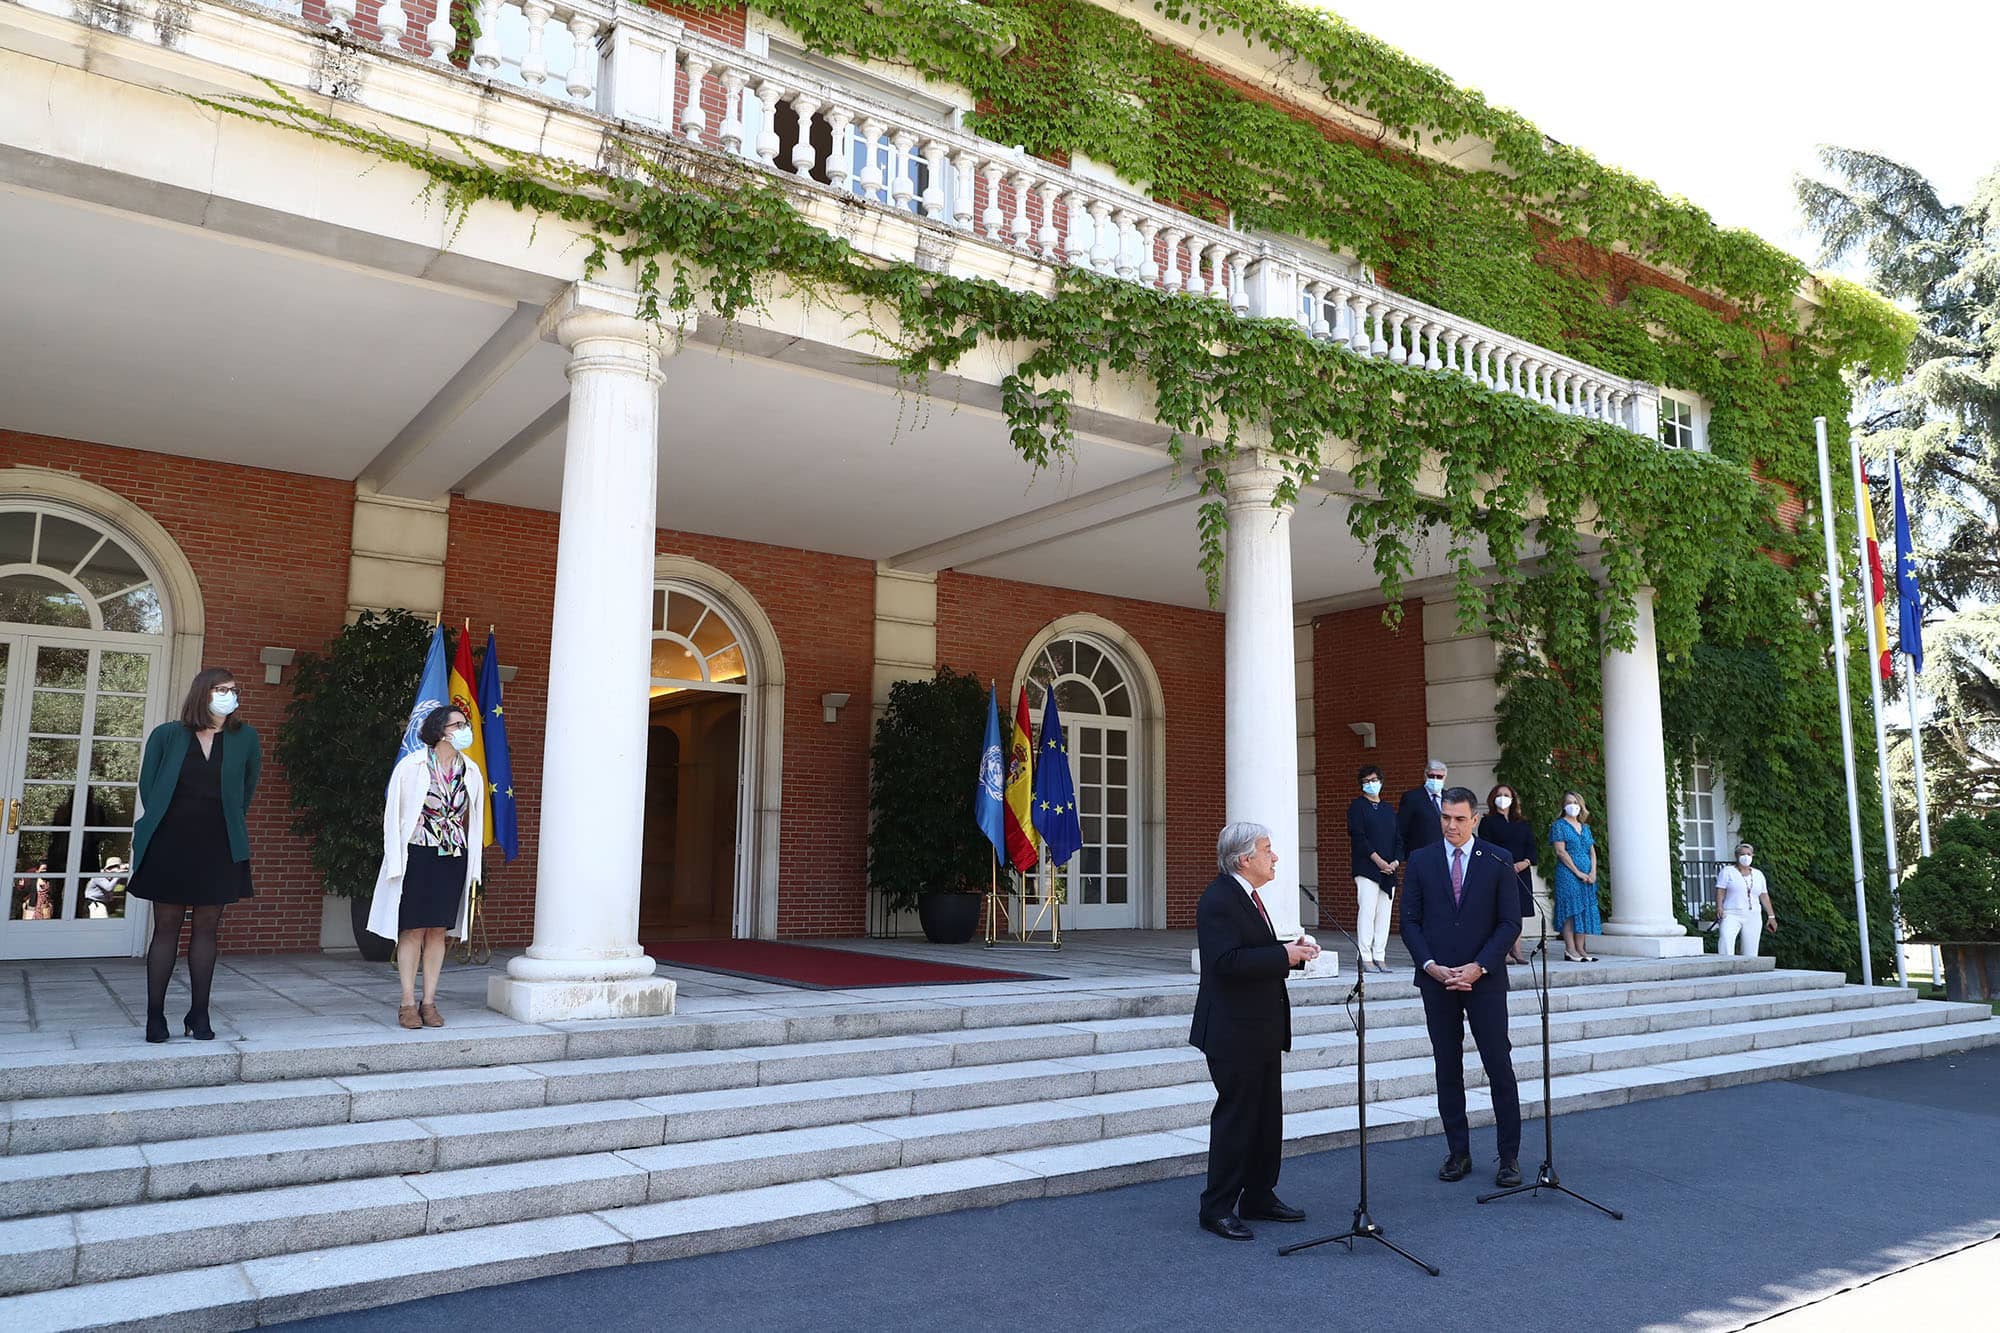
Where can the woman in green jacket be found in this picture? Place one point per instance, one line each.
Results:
(190, 846)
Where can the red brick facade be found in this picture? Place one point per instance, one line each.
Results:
(984, 625)
(269, 550)
(1363, 671)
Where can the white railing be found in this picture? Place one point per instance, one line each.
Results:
(639, 66)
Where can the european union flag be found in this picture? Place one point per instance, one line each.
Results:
(1909, 603)
(1055, 794)
(499, 764)
(989, 795)
(432, 692)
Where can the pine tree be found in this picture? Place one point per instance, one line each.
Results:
(1942, 420)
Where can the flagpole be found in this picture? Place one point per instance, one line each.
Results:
(1861, 520)
(1840, 683)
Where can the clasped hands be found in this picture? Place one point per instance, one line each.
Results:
(1301, 950)
(1456, 978)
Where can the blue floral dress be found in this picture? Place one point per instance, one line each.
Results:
(1576, 901)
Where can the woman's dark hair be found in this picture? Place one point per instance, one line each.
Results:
(436, 722)
(1361, 774)
(1513, 811)
(194, 710)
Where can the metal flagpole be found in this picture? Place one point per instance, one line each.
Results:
(1875, 699)
(1840, 683)
(1916, 726)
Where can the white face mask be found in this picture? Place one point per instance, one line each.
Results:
(1372, 788)
(1503, 802)
(1743, 860)
(1433, 785)
(1572, 809)
(460, 738)
(222, 702)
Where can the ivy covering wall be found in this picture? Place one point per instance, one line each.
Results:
(1521, 247)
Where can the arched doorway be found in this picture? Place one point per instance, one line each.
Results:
(1104, 715)
(700, 718)
(84, 640)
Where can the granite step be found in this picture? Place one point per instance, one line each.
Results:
(1150, 1051)
(608, 1224)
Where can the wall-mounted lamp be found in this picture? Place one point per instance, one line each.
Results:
(275, 661)
(831, 704)
(507, 674)
(1366, 731)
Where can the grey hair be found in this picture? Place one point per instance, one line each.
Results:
(1238, 840)
(1430, 764)
(1745, 847)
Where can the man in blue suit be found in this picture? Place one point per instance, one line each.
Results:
(1461, 914)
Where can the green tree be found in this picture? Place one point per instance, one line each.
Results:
(1942, 420)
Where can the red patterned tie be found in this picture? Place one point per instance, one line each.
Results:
(1457, 876)
(1261, 912)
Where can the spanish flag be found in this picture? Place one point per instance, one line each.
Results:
(1021, 852)
(1876, 588)
(466, 701)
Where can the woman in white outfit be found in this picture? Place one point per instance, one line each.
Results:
(1744, 903)
(431, 827)
(1377, 856)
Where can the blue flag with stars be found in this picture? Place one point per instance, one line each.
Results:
(1055, 794)
(1909, 604)
(499, 764)
(989, 796)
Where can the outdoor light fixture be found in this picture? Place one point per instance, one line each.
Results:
(1366, 731)
(275, 661)
(832, 704)
(507, 674)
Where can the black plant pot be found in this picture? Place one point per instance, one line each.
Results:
(949, 918)
(374, 948)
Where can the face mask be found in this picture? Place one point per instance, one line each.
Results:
(1502, 802)
(460, 738)
(1372, 788)
(1572, 809)
(1434, 785)
(222, 702)
(1743, 861)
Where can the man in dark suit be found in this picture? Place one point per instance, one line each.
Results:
(1461, 913)
(1243, 1024)
(1419, 812)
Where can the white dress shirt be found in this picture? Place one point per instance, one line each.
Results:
(1737, 892)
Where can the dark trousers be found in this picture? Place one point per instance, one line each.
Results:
(1246, 1135)
(1446, 1014)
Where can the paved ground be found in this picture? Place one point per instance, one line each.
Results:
(1740, 1204)
(102, 1001)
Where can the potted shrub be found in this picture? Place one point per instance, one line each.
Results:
(1952, 900)
(924, 851)
(338, 742)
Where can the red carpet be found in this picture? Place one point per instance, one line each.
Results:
(818, 969)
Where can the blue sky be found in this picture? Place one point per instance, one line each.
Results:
(1725, 100)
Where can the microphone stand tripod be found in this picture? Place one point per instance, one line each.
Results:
(1546, 1178)
(1364, 1227)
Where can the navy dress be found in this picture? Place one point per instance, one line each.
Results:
(1518, 837)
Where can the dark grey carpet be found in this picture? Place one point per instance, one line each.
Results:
(1738, 1203)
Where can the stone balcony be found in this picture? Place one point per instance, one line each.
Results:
(941, 195)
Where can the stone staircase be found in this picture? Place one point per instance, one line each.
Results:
(251, 1182)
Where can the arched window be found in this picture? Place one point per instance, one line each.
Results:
(694, 645)
(1093, 691)
(61, 571)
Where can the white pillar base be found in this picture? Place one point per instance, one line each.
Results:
(1645, 946)
(555, 1001)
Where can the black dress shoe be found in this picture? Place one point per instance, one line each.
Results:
(1275, 1211)
(1455, 1168)
(1229, 1228)
(1509, 1174)
(196, 1025)
(156, 1026)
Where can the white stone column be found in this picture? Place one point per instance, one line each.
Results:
(1635, 797)
(585, 961)
(1260, 742)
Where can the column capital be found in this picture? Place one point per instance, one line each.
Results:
(1254, 478)
(603, 329)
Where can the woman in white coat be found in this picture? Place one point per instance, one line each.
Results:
(431, 828)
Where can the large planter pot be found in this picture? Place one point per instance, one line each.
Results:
(1972, 970)
(373, 947)
(949, 918)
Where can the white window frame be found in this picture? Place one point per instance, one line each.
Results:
(1694, 429)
